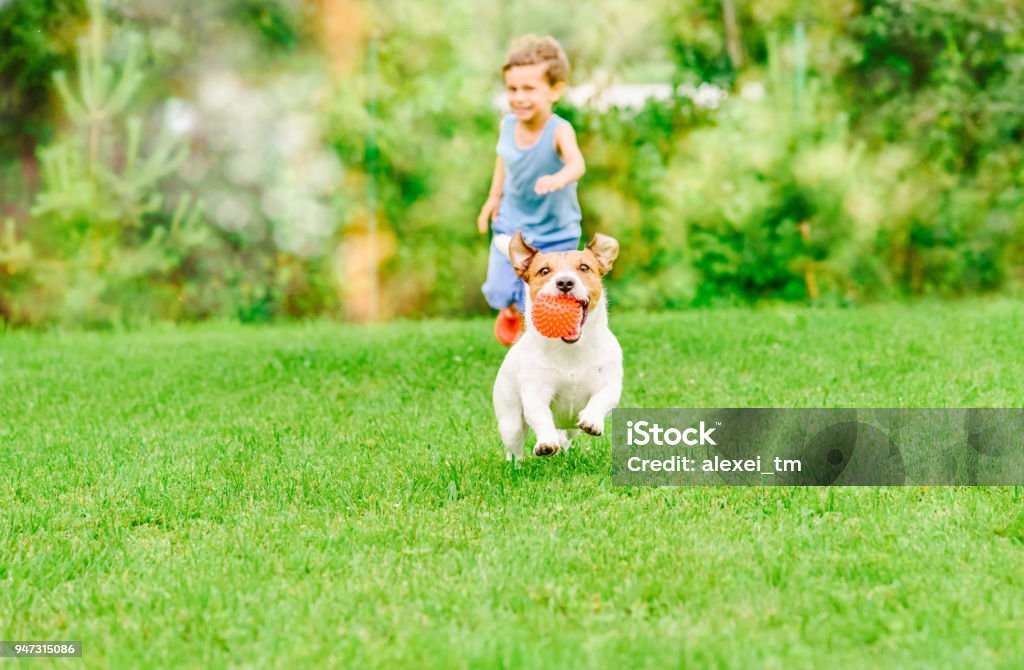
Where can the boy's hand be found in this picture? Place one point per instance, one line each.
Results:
(549, 183)
(487, 214)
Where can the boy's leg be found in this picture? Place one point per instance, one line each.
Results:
(519, 297)
(501, 290)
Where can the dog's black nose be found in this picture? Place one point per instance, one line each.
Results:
(565, 284)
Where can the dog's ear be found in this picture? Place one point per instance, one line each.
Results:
(520, 254)
(606, 249)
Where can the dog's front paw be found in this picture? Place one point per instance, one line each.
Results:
(591, 425)
(545, 449)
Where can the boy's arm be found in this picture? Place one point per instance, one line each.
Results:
(490, 208)
(575, 167)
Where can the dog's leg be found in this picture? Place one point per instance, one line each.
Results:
(602, 402)
(537, 410)
(512, 435)
(509, 411)
(565, 437)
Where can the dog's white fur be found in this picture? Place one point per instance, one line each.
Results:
(556, 387)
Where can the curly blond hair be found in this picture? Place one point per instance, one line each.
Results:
(531, 50)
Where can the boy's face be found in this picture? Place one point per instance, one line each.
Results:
(529, 94)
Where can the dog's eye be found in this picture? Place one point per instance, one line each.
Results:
(584, 268)
(544, 271)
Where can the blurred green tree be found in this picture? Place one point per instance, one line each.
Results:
(105, 238)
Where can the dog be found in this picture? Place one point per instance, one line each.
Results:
(560, 386)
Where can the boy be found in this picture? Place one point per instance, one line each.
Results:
(534, 183)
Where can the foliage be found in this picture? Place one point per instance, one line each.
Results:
(788, 194)
(32, 50)
(864, 150)
(118, 233)
(107, 243)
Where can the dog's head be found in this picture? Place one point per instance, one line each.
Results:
(574, 273)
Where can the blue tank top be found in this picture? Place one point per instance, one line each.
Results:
(544, 219)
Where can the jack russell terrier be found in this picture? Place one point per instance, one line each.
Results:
(560, 386)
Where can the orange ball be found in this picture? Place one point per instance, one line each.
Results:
(556, 316)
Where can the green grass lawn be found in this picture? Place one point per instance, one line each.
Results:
(338, 496)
